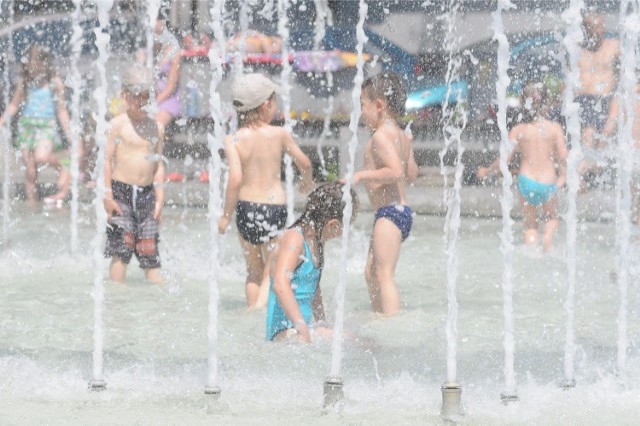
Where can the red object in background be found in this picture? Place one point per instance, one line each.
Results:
(176, 177)
(196, 47)
(204, 176)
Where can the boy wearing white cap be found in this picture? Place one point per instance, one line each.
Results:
(255, 190)
(134, 174)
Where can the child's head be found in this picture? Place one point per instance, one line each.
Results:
(383, 93)
(533, 101)
(136, 84)
(37, 65)
(323, 212)
(254, 99)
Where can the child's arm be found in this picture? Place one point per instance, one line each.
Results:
(301, 161)
(158, 177)
(63, 112)
(412, 167)
(612, 119)
(14, 106)
(173, 78)
(291, 248)
(110, 204)
(494, 168)
(561, 156)
(390, 169)
(318, 306)
(233, 184)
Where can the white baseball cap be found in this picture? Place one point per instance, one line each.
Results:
(251, 90)
(137, 79)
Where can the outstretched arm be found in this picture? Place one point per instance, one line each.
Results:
(14, 106)
(494, 168)
(110, 204)
(301, 161)
(233, 184)
(158, 177)
(561, 157)
(390, 169)
(173, 78)
(412, 166)
(63, 112)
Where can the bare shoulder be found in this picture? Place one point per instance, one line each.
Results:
(118, 121)
(57, 83)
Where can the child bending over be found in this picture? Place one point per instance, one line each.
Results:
(297, 261)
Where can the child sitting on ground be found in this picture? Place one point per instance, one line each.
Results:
(389, 164)
(254, 154)
(295, 297)
(40, 98)
(541, 145)
(134, 174)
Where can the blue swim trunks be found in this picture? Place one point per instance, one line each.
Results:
(535, 193)
(400, 215)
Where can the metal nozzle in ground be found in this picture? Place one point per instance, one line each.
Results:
(333, 393)
(567, 384)
(212, 391)
(97, 385)
(509, 397)
(451, 400)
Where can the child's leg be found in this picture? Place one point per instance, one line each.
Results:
(153, 275)
(118, 270)
(30, 176)
(529, 215)
(551, 222)
(263, 292)
(255, 270)
(381, 267)
(45, 153)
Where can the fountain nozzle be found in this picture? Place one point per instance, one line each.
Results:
(451, 400)
(97, 385)
(508, 397)
(213, 391)
(568, 384)
(333, 393)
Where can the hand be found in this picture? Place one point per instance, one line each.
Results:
(303, 333)
(483, 172)
(223, 224)
(157, 211)
(306, 185)
(110, 206)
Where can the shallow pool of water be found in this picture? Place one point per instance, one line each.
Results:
(156, 344)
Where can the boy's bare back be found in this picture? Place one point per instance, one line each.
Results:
(258, 151)
(136, 149)
(542, 147)
(389, 147)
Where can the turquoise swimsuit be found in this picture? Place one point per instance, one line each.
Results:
(304, 284)
(534, 192)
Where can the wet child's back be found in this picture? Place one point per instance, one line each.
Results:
(539, 143)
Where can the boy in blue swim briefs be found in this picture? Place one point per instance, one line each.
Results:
(541, 145)
(389, 164)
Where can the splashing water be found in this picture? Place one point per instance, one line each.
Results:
(76, 83)
(100, 94)
(216, 59)
(283, 30)
(506, 238)
(5, 132)
(572, 41)
(628, 20)
(452, 130)
(323, 18)
(336, 347)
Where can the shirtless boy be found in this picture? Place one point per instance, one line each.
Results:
(388, 165)
(543, 166)
(134, 174)
(255, 189)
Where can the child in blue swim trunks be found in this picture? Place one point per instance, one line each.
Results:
(541, 145)
(389, 164)
(297, 261)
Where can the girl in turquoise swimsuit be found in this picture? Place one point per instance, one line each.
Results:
(295, 298)
(39, 96)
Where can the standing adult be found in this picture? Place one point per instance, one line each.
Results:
(598, 64)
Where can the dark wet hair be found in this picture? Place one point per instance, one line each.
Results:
(388, 87)
(36, 53)
(324, 204)
(534, 101)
